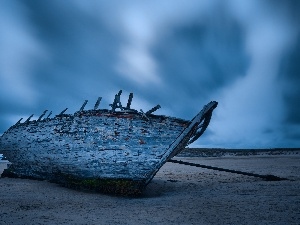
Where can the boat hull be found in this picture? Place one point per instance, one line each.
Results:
(99, 150)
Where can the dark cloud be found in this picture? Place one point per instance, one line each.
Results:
(290, 76)
(81, 52)
(209, 55)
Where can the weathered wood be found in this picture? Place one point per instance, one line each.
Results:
(49, 115)
(153, 110)
(17, 123)
(97, 103)
(28, 119)
(83, 105)
(97, 145)
(129, 101)
(41, 116)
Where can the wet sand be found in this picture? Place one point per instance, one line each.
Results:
(178, 194)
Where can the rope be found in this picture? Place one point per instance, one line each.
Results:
(265, 177)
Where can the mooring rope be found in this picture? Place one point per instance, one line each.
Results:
(265, 177)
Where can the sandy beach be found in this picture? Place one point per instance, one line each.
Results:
(178, 194)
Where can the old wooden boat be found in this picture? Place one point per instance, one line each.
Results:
(117, 150)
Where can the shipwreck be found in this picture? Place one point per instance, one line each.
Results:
(117, 150)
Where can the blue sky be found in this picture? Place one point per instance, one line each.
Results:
(179, 54)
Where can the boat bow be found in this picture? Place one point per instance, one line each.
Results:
(190, 134)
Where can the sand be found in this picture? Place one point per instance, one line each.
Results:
(178, 194)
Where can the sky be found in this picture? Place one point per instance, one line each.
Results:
(176, 53)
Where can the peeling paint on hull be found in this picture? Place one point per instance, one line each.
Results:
(115, 152)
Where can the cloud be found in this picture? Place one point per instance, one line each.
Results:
(142, 26)
(179, 54)
(19, 50)
(251, 111)
(138, 65)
